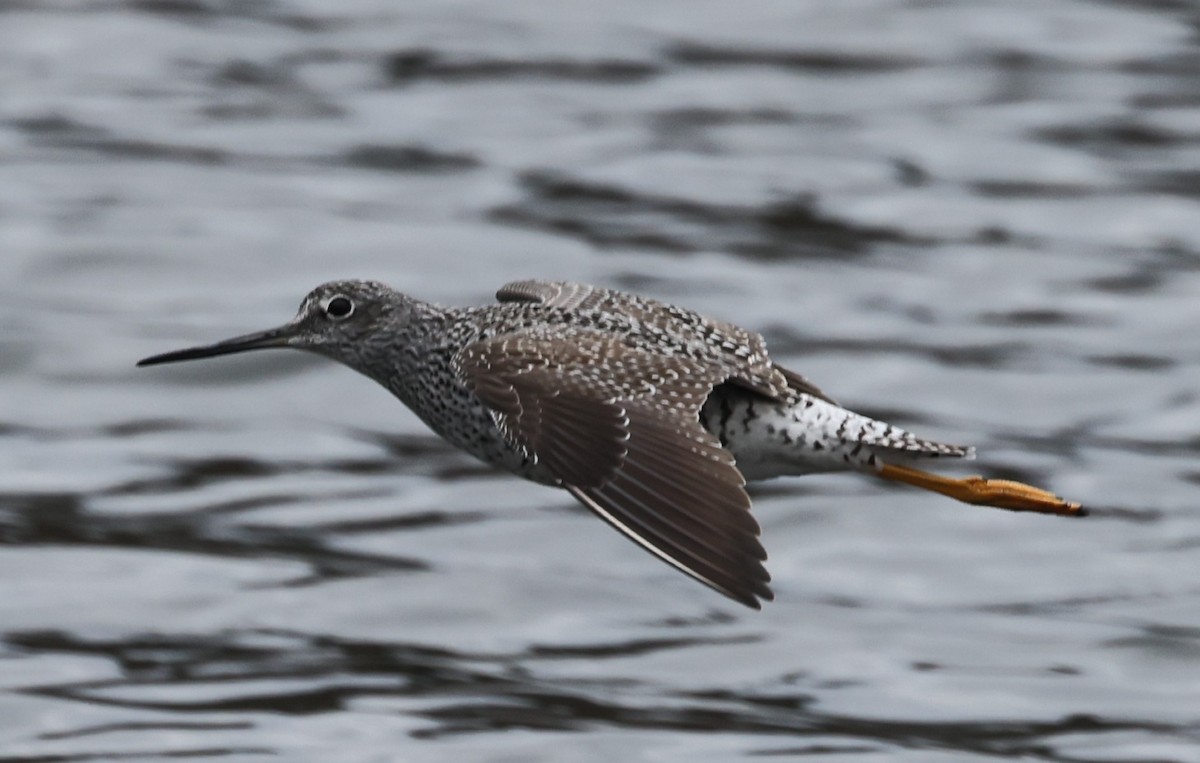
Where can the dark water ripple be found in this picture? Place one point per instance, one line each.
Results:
(59, 133)
(498, 693)
(33, 520)
(406, 67)
(607, 216)
(819, 62)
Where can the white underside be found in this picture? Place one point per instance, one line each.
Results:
(775, 440)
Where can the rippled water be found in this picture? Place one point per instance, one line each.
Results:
(980, 220)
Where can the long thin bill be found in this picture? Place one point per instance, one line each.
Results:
(277, 337)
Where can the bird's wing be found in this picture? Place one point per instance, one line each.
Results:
(619, 427)
(742, 353)
(564, 294)
(802, 384)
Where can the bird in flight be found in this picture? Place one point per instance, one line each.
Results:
(650, 415)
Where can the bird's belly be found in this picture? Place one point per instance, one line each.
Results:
(466, 424)
(774, 439)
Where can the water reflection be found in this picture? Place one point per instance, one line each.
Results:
(302, 674)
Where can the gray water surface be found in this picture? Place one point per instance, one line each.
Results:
(980, 220)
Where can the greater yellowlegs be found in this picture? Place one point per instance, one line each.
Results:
(651, 415)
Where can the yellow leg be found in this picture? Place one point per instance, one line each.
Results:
(1003, 494)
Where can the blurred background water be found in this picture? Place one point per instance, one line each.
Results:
(978, 219)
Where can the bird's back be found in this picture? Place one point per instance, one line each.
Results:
(773, 421)
(570, 318)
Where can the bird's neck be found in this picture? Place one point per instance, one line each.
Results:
(412, 353)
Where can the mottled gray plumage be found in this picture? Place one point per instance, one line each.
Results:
(651, 415)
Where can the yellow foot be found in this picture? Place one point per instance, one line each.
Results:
(1003, 494)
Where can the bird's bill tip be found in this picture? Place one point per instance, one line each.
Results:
(261, 340)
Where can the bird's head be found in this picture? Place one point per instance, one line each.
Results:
(342, 320)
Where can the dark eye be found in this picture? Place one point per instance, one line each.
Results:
(339, 307)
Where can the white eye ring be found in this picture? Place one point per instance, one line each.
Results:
(339, 307)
